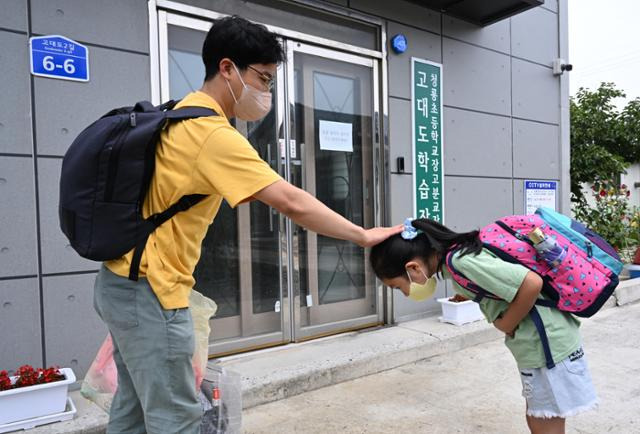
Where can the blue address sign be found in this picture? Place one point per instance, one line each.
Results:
(55, 56)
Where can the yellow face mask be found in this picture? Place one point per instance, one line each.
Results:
(422, 291)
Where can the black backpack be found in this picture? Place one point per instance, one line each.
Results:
(106, 173)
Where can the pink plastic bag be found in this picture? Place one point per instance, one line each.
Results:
(101, 380)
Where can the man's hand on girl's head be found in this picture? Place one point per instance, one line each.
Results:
(373, 236)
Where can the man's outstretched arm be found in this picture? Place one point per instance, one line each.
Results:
(308, 212)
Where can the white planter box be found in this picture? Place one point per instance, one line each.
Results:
(459, 313)
(35, 401)
(68, 414)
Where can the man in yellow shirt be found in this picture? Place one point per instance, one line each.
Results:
(149, 319)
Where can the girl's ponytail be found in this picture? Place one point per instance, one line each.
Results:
(443, 239)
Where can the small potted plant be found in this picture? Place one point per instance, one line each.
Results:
(459, 310)
(33, 393)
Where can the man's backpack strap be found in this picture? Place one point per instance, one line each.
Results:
(152, 222)
(185, 202)
(105, 178)
(189, 112)
(180, 114)
(146, 107)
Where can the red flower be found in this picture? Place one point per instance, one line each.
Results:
(27, 376)
(50, 375)
(603, 193)
(623, 186)
(5, 381)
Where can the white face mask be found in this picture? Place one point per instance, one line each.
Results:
(253, 104)
(422, 291)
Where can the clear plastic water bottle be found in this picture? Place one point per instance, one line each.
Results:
(547, 248)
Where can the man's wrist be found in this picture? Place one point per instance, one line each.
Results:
(360, 236)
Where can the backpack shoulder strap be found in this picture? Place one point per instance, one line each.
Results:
(185, 202)
(152, 222)
(482, 293)
(189, 112)
(463, 281)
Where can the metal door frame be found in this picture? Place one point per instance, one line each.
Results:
(163, 13)
(299, 332)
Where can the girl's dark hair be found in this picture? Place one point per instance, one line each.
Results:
(390, 256)
(241, 41)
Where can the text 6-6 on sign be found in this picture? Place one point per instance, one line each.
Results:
(55, 56)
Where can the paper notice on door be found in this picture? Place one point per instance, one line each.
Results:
(336, 136)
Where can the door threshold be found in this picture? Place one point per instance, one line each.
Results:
(261, 349)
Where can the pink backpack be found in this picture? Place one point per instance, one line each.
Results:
(580, 284)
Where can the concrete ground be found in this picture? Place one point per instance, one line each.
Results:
(399, 380)
(474, 390)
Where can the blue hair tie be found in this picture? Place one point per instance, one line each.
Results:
(409, 232)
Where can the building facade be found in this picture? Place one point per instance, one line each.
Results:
(504, 121)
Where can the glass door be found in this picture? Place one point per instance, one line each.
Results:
(332, 100)
(273, 281)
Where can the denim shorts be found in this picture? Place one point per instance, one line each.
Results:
(563, 391)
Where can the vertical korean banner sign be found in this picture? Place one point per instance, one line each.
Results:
(426, 117)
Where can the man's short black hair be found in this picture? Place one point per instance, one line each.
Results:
(240, 40)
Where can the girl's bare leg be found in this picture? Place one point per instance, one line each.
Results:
(538, 425)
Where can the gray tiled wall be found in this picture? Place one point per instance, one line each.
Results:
(535, 150)
(14, 15)
(73, 331)
(17, 218)
(15, 113)
(475, 78)
(494, 37)
(39, 272)
(477, 144)
(536, 92)
(534, 36)
(20, 323)
(115, 24)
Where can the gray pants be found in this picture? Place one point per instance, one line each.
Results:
(153, 348)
